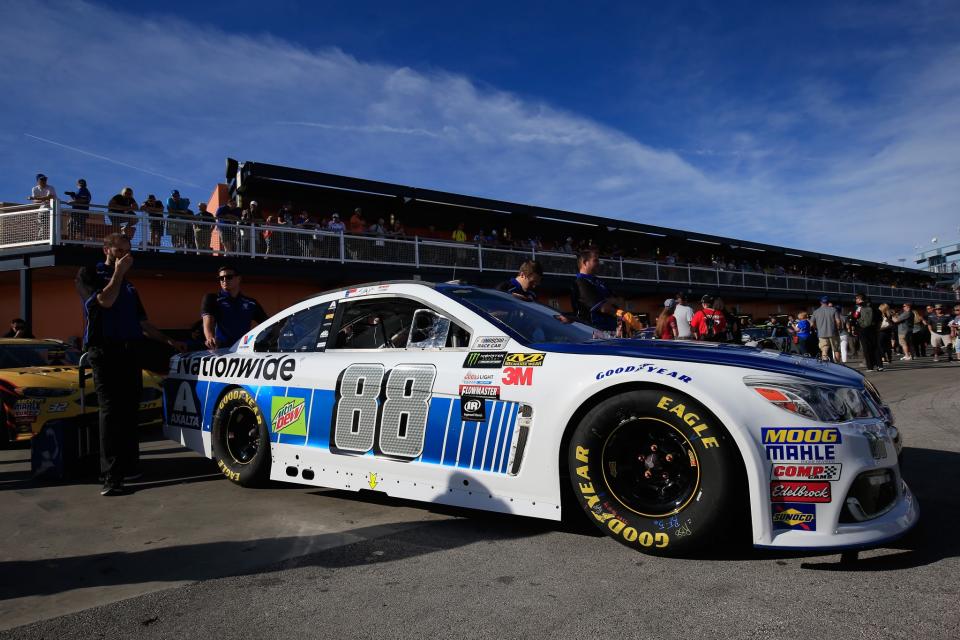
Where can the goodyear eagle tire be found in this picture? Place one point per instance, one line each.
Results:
(240, 439)
(657, 471)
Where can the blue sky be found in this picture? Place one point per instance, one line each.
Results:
(824, 126)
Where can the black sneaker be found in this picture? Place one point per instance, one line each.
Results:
(113, 489)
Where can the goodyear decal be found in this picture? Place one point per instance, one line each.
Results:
(795, 516)
(288, 416)
(810, 444)
(643, 368)
(602, 513)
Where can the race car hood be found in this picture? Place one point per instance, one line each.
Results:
(59, 376)
(729, 355)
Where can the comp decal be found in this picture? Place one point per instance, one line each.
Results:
(802, 491)
(525, 359)
(250, 368)
(484, 360)
(602, 513)
(796, 444)
(643, 368)
(795, 516)
(692, 419)
(829, 472)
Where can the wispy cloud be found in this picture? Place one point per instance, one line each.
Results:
(810, 167)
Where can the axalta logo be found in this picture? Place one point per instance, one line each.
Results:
(288, 415)
(525, 359)
(801, 435)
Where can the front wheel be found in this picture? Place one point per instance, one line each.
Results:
(657, 471)
(240, 439)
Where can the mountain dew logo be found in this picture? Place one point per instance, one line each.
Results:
(288, 415)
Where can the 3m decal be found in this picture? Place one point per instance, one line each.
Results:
(490, 343)
(603, 514)
(796, 444)
(403, 403)
(692, 419)
(288, 415)
(643, 368)
(473, 409)
(525, 359)
(484, 360)
(273, 368)
(804, 491)
(517, 376)
(790, 515)
(182, 404)
(482, 390)
(830, 472)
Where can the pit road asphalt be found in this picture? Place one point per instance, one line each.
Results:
(191, 555)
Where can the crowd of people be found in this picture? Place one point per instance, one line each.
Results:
(192, 230)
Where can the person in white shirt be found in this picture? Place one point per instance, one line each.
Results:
(43, 192)
(683, 315)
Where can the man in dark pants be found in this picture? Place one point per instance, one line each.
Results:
(868, 321)
(116, 325)
(229, 314)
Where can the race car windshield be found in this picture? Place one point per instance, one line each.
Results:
(36, 355)
(530, 322)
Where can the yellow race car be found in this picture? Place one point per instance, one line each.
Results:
(39, 383)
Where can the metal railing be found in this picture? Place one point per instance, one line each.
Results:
(32, 225)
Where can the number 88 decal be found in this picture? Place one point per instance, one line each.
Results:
(403, 411)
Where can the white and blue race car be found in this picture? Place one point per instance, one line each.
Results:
(464, 396)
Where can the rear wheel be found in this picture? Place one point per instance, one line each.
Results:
(240, 439)
(656, 471)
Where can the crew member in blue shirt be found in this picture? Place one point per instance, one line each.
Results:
(116, 325)
(593, 302)
(229, 314)
(524, 285)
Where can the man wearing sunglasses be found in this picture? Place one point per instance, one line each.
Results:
(229, 314)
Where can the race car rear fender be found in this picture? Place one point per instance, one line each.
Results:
(750, 456)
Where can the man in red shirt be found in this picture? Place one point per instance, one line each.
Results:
(708, 324)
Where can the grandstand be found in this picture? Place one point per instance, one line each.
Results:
(41, 248)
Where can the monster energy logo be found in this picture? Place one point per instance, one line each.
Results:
(484, 359)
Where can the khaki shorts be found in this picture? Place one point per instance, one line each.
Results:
(940, 340)
(832, 342)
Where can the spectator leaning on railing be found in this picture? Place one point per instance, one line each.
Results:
(79, 204)
(154, 210)
(122, 203)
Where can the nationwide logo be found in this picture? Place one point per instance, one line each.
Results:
(786, 491)
(830, 472)
(525, 359)
(288, 415)
(795, 516)
(485, 391)
(282, 367)
(484, 360)
(490, 343)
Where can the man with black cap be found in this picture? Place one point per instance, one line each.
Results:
(708, 324)
(116, 325)
(45, 194)
(826, 321)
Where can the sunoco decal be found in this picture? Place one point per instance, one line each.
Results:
(282, 367)
(288, 415)
(792, 515)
